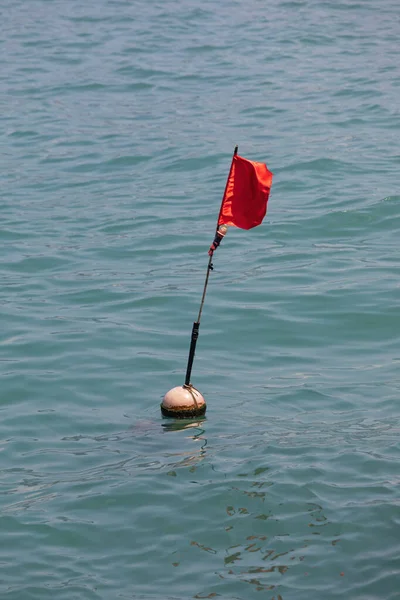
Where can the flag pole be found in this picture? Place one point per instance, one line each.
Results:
(196, 325)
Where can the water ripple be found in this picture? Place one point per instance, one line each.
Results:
(119, 120)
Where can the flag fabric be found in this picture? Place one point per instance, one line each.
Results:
(244, 204)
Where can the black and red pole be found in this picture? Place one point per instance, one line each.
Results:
(219, 236)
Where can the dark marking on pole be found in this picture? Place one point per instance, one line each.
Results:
(193, 342)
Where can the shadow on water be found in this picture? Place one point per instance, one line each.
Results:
(170, 425)
(190, 458)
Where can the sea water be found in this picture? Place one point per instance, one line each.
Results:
(118, 123)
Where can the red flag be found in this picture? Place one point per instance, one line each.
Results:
(245, 200)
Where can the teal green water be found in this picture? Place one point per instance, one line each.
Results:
(118, 121)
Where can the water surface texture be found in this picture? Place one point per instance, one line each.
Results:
(118, 120)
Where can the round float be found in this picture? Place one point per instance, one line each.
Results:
(183, 402)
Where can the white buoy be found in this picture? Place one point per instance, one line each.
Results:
(183, 402)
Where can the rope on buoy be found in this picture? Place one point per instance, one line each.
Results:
(189, 387)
